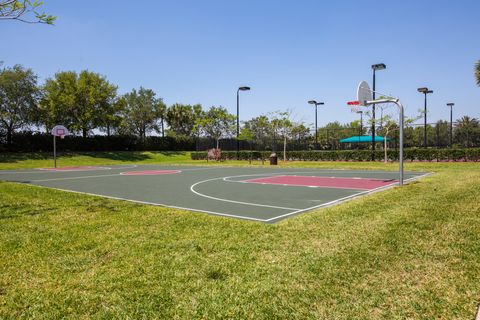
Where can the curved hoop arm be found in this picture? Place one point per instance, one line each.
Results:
(401, 124)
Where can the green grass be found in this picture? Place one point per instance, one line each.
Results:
(406, 253)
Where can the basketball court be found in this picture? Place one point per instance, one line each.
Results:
(259, 194)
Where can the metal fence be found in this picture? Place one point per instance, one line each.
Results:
(438, 135)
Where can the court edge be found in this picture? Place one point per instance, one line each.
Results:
(270, 220)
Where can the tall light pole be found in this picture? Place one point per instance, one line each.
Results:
(451, 104)
(238, 117)
(361, 122)
(375, 67)
(316, 127)
(425, 91)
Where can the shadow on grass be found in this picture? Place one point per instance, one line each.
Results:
(10, 211)
(16, 157)
(132, 156)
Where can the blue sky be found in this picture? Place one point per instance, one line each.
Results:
(192, 51)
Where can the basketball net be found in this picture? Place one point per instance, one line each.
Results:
(354, 106)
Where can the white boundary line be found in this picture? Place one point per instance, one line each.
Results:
(290, 173)
(149, 203)
(152, 172)
(192, 188)
(226, 214)
(233, 215)
(196, 169)
(44, 170)
(233, 201)
(101, 175)
(81, 177)
(344, 199)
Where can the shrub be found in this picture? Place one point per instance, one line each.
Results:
(38, 142)
(355, 155)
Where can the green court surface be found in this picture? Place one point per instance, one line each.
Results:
(260, 194)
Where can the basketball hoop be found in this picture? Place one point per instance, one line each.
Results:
(57, 131)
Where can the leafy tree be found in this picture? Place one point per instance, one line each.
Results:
(25, 11)
(299, 131)
(111, 120)
(442, 133)
(80, 101)
(356, 128)
(58, 101)
(162, 112)
(388, 126)
(391, 126)
(477, 72)
(330, 134)
(247, 135)
(96, 102)
(467, 131)
(281, 126)
(217, 123)
(260, 127)
(18, 98)
(141, 112)
(181, 119)
(198, 114)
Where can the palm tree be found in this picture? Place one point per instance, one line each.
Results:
(477, 72)
(467, 122)
(467, 131)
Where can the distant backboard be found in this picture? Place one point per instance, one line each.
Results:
(59, 131)
(364, 93)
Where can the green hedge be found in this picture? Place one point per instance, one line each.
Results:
(472, 154)
(38, 142)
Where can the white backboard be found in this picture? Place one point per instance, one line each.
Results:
(59, 131)
(364, 93)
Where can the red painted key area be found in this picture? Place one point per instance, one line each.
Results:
(327, 182)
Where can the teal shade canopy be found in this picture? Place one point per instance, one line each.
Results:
(363, 139)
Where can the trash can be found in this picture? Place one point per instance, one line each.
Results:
(273, 159)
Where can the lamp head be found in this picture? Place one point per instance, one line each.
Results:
(450, 104)
(422, 90)
(244, 88)
(312, 102)
(379, 66)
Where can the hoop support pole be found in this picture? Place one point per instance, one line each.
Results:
(55, 151)
(401, 123)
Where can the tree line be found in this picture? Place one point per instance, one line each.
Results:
(87, 103)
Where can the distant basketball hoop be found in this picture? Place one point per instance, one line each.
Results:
(57, 131)
(365, 98)
(364, 95)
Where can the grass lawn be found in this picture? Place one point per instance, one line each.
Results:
(411, 252)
